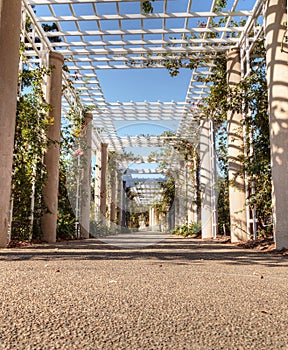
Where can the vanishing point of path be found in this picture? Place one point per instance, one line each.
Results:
(176, 294)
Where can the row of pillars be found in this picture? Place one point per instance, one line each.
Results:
(237, 192)
(10, 16)
(277, 77)
(108, 189)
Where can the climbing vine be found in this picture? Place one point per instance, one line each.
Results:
(32, 120)
(187, 153)
(73, 161)
(257, 161)
(249, 98)
(71, 152)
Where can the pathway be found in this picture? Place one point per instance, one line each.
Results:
(177, 294)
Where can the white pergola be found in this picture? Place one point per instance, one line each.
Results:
(106, 34)
(112, 34)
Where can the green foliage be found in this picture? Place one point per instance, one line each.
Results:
(216, 103)
(100, 229)
(194, 229)
(189, 155)
(188, 152)
(219, 5)
(257, 163)
(52, 28)
(32, 120)
(71, 162)
(168, 193)
(222, 186)
(147, 6)
(174, 62)
(223, 206)
(66, 220)
(186, 148)
(134, 218)
(249, 98)
(47, 27)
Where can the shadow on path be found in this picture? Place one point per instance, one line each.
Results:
(173, 249)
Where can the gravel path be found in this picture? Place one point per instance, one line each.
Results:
(177, 294)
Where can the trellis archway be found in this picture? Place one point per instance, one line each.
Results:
(94, 37)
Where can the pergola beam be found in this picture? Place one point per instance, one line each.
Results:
(139, 50)
(147, 42)
(160, 31)
(137, 16)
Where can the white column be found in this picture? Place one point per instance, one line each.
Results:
(182, 194)
(86, 181)
(205, 179)
(237, 195)
(119, 198)
(103, 190)
(113, 190)
(195, 188)
(50, 191)
(124, 205)
(10, 18)
(97, 186)
(152, 218)
(190, 197)
(277, 79)
(214, 193)
(177, 202)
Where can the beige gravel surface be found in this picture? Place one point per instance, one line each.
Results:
(177, 294)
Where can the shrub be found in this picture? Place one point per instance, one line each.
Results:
(193, 229)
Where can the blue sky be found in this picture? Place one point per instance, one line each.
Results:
(144, 84)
